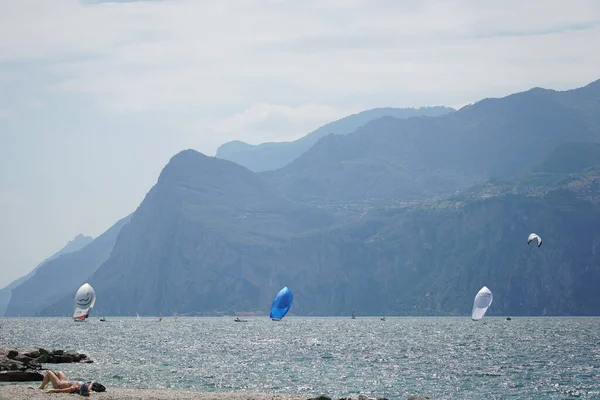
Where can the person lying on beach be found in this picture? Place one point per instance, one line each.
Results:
(61, 384)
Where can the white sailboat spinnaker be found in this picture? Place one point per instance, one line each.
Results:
(85, 299)
(483, 299)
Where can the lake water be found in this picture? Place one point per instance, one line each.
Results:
(443, 358)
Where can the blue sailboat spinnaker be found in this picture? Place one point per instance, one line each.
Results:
(281, 304)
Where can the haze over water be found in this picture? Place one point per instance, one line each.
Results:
(526, 358)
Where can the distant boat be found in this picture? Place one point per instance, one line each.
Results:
(483, 299)
(240, 320)
(508, 318)
(353, 315)
(85, 298)
(102, 319)
(281, 304)
(383, 318)
(160, 318)
(138, 316)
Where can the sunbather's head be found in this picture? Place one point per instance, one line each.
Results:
(98, 387)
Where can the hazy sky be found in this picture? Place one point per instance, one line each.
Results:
(95, 97)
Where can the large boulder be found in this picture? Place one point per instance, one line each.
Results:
(44, 351)
(22, 358)
(8, 364)
(74, 356)
(32, 353)
(44, 358)
(61, 360)
(20, 376)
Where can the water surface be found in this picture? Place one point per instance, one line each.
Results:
(443, 358)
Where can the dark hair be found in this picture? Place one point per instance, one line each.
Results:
(98, 387)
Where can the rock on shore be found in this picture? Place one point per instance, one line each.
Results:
(22, 365)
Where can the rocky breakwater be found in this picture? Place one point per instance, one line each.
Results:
(23, 365)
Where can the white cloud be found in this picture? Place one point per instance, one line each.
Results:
(188, 55)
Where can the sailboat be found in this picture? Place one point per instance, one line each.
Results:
(281, 304)
(353, 315)
(85, 298)
(483, 299)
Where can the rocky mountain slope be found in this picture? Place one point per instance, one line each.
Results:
(204, 238)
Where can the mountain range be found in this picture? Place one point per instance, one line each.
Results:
(73, 245)
(201, 211)
(392, 159)
(400, 217)
(61, 275)
(275, 155)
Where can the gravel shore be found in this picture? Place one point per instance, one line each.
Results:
(24, 392)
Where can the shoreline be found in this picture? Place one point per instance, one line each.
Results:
(20, 391)
(24, 392)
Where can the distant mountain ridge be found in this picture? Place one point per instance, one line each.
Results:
(414, 159)
(78, 242)
(274, 155)
(62, 275)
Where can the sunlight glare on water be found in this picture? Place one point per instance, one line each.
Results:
(527, 358)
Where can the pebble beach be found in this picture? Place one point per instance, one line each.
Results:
(25, 392)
